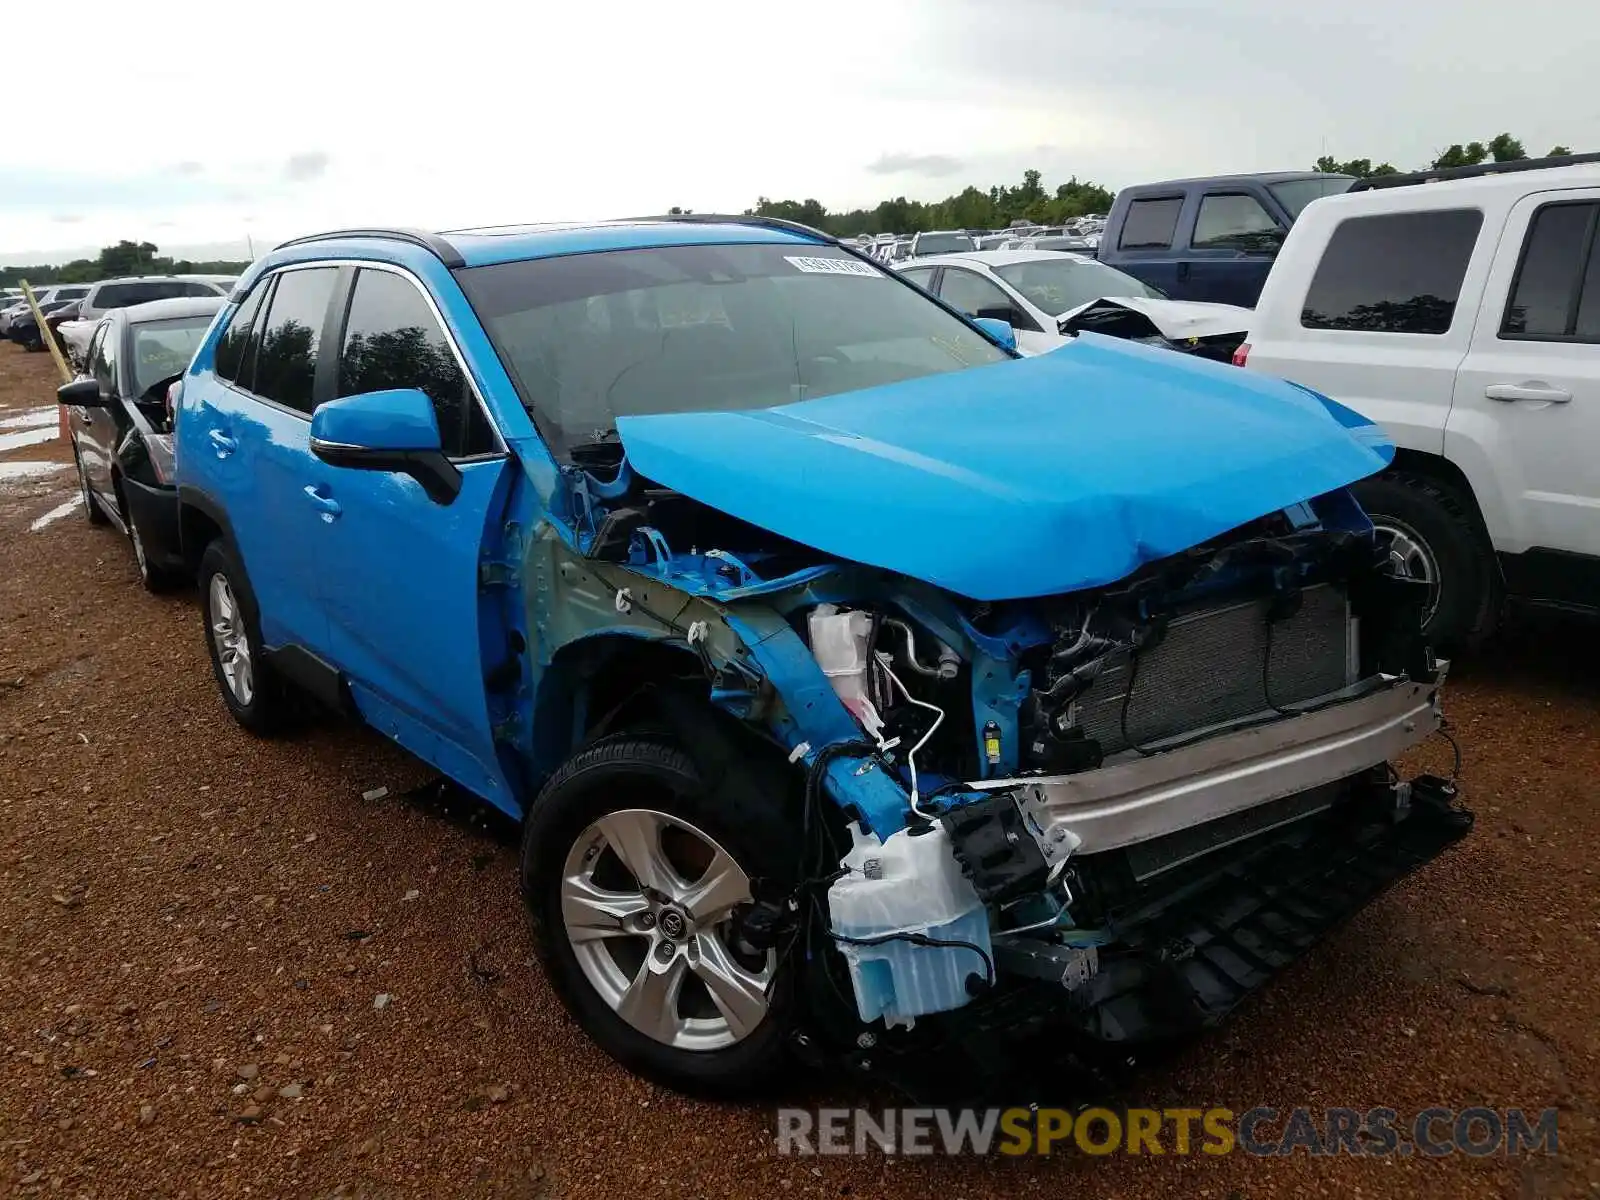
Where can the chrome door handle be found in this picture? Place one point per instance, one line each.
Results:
(222, 443)
(1543, 392)
(328, 506)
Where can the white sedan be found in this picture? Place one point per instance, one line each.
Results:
(1049, 295)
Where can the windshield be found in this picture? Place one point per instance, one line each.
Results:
(942, 243)
(1298, 193)
(1058, 285)
(587, 338)
(162, 348)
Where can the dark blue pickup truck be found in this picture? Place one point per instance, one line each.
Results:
(1213, 238)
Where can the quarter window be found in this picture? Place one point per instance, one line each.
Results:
(392, 340)
(1396, 273)
(1150, 224)
(286, 354)
(1556, 294)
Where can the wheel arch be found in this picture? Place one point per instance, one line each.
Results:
(200, 521)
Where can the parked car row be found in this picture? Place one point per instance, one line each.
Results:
(855, 678)
(91, 301)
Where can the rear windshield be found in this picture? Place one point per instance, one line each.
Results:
(587, 338)
(1298, 193)
(942, 243)
(1058, 285)
(163, 348)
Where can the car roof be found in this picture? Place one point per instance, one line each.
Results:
(998, 258)
(485, 245)
(1253, 176)
(163, 310)
(1444, 192)
(135, 279)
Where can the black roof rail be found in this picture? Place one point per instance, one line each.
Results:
(742, 219)
(431, 242)
(1375, 182)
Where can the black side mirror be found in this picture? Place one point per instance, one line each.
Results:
(82, 393)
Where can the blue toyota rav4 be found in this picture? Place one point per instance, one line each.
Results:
(863, 689)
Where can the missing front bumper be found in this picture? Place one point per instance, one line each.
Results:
(1141, 798)
(1181, 953)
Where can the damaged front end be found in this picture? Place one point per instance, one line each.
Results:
(1110, 813)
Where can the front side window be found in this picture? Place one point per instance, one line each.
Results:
(103, 360)
(1556, 294)
(921, 276)
(93, 353)
(1150, 224)
(1234, 221)
(235, 338)
(590, 337)
(164, 348)
(972, 294)
(1058, 285)
(1295, 194)
(1395, 273)
(392, 340)
(291, 336)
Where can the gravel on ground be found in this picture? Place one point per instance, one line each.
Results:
(233, 966)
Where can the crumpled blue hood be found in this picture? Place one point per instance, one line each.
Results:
(1026, 478)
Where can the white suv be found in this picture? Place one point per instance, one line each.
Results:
(1463, 315)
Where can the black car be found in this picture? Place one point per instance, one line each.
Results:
(25, 330)
(120, 420)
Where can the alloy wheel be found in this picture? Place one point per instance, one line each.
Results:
(647, 904)
(1411, 557)
(231, 640)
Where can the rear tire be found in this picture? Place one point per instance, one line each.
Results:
(254, 695)
(1436, 536)
(646, 784)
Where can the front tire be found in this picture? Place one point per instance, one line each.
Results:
(635, 876)
(253, 694)
(1433, 535)
(92, 511)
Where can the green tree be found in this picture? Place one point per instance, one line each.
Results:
(1361, 168)
(1558, 150)
(1505, 148)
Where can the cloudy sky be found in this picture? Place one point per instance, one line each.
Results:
(209, 122)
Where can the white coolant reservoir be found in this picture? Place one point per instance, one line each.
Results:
(839, 644)
(908, 884)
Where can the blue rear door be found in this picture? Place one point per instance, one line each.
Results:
(1143, 243)
(412, 628)
(245, 444)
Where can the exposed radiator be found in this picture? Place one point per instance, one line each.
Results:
(1208, 670)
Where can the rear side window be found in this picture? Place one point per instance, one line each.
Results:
(1556, 293)
(1396, 273)
(291, 336)
(393, 340)
(231, 345)
(121, 295)
(1150, 224)
(1234, 221)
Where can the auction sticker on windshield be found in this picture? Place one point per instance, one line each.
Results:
(832, 266)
